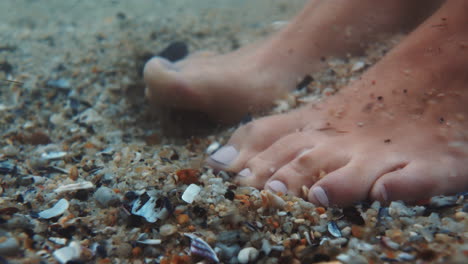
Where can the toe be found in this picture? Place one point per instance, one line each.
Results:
(307, 167)
(352, 183)
(263, 165)
(253, 138)
(166, 85)
(417, 181)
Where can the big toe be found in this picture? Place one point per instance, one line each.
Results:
(166, 85)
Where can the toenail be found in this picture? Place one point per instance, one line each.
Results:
(245, 173)
(225, 155)
(277, 186)
(320, 195)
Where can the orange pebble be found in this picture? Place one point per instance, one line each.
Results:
(320, 210)
(89, 145)
(245, 202)
(241, 197)
(73, 173)
(356, 231)
(182, 219)
(276, 224)
(136, 251)
(188, 176)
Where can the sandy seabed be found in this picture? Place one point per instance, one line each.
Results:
(90, 174)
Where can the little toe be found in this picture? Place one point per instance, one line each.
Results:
(351, 183)
(307, 168)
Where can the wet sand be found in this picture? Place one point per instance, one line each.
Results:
(78, 137)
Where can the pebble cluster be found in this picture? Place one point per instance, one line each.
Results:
(88, 176)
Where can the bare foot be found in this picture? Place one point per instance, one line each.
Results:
(248, 80)
(400, 132)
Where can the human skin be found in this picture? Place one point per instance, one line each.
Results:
(399, 132)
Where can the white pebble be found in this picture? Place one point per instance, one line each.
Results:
(167, 230)
(247, 255)
(190, 193)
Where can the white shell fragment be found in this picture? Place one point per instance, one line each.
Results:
(357, 66)
(273, 200)
(190, 193)
(247, 255)
(212, 148)
(148, 210)
(65, 254)
(200, 248)
(150, 241)
(53, 155)
(59, 208)
(75, 187)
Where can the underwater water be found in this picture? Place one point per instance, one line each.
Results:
(91, 173)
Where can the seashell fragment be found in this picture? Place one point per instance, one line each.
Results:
(146, 207)
(7, 167)
(66, 254)
(150, 241)
(59, 208)
(212, 148)
(358, 66)
(75, 187)
(190, 193)
(248, 254)
(333, 229)
(272, 200)
(53, 155)
(201, 248)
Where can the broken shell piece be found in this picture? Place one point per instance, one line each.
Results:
(358, 66)
(75, 187)
(66, 254)
(190, 193)
(148, 210)
(333, 229)
(389, 243)
(200, 248)
(247, 255)
(272, 200)
(150, 241)
(59, 208)
(53, 155)
(305, 191)
(212, 148)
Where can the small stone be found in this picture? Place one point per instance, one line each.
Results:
(89, 116)
(8, 246)
(247, 255)
(183, 219)
(460, 216)
(60, 84)
(167, 230)
(124, 250)
(73, 173)
(106, 197)
(288, 227)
